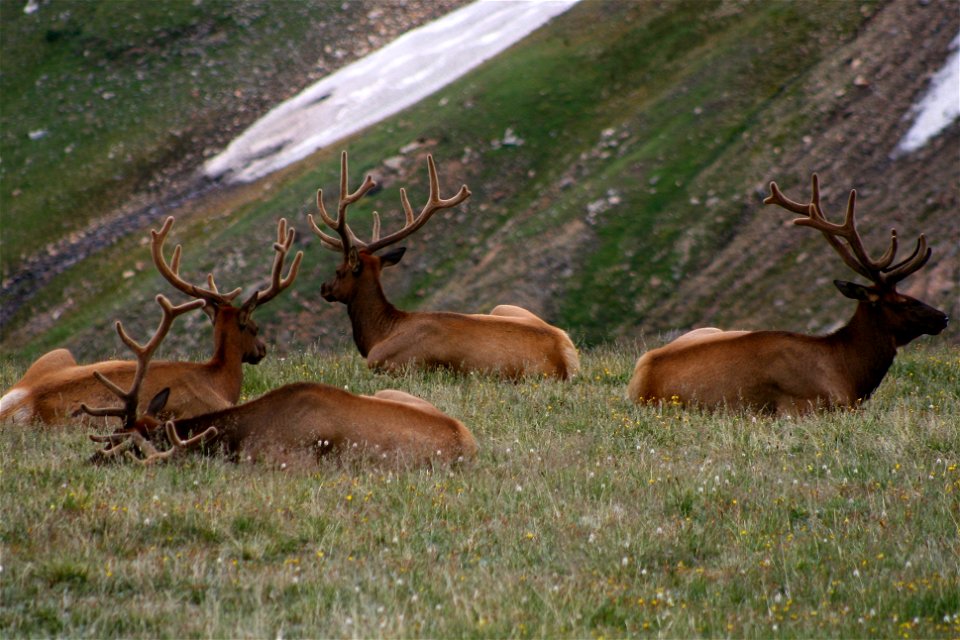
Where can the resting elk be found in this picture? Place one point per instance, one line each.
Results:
(794, 373)
(53, 388)
(297, 422)
(510, 341)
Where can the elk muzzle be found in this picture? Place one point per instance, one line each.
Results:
(326, 291)
(916, 319)
(258, 353)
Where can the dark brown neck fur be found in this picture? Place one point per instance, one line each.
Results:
(372, 316)
(865, 348)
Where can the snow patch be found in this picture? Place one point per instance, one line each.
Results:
(361, 94)
(938, 108)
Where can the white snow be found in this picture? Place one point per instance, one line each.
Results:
(938, 108)
(407, 70)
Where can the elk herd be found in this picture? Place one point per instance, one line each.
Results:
(193, 405)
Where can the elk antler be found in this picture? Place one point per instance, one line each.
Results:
(117, 443)
(278, 283)
(853, 252)
(176, 444)
(122, 443)
(434, 203)
(347, 237)
(128, 411)
(171, 272)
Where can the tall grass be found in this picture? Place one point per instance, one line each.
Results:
(583, 516)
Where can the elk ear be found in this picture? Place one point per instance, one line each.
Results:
(392, 257)
(158, 403)
(353, 260)
(856, 291)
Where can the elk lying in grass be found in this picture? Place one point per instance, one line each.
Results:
(53, 388)
(510, 340)
(295, 422)
(790, 372)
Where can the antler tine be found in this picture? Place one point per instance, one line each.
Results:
(177, 254)
(346, 198)
(434, 203)
(176, 444)
(170, 313)
(910, 264)
(327, 241)
(171, 273)
(117, 443)
(111, 438)
(778, 198)
(122, 443)
(143, 353)
(278, 282)
(347, 237)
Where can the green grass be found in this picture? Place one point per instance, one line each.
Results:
(112, 94)
(583, 516)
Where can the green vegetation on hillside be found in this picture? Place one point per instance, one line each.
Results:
(633, 110)
(99, 98)
(582, 516)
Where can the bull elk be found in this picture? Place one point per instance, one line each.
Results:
(295, 422)
(795, 373)
(510, 341)
(54, 386)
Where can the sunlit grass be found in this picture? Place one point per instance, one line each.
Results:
(583, 516)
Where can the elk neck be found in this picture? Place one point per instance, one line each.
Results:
(865, 347)
(226, 363)
(372, 316)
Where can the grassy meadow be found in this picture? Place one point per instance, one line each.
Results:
(582, 516)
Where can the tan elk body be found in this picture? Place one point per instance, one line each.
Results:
(790, 372)
(296, 422)
(54, 387)
(306, 421)
(510, 341)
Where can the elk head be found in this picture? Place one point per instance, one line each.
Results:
(137, 428)
(361, 265)
(898, 315)
(236, 326)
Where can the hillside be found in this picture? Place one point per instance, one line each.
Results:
(626, 204)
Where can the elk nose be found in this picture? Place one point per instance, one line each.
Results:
(326, 291)
(258, 354)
